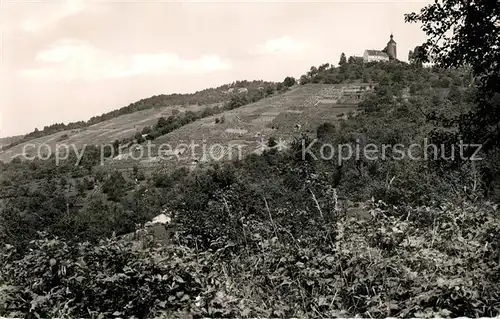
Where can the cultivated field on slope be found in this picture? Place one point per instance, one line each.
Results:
(10, 139)
(302, 109)
(102, 133)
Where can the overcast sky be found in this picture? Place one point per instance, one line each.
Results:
(68, 60)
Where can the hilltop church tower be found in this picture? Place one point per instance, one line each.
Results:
(391, 49)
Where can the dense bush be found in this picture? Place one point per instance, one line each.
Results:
(412, 262)
(111, 279)
(289, 81)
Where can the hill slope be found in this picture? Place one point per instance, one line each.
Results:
(101, 133)
(303, 108)
(203, 97)
(222, 136)
(4, 141)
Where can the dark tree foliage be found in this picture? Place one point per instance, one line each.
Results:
(323, 67)
(289, 81)
(325, 131)
(343, 59)
(474, 39)
(115, 186)
(271, 142)
(304, 79)
(416, 56)
(467, 34)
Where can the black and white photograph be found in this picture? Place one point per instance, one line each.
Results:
(249, 159)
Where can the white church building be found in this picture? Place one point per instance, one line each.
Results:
(389, 53)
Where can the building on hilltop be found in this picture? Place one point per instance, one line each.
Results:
(387, 54)
(375, 56)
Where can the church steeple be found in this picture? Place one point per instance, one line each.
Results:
(392, 39)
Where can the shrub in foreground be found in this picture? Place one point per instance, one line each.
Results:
(417, 262)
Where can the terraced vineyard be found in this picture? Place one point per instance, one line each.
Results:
(242, 131)
(225, 136)
(102, 133)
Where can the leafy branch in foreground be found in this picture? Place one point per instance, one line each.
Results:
(463, 33)
(467, 34)
(398, 262)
